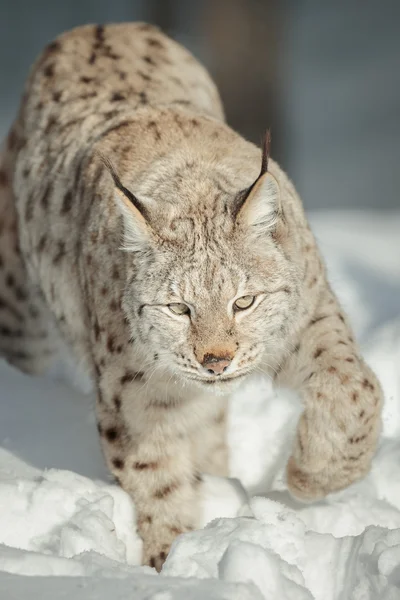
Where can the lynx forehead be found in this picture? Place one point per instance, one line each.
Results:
(174, 259)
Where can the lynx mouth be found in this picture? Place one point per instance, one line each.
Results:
(218, 381)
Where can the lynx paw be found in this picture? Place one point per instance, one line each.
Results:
(157, 546)
(155, 555)
(337, 475)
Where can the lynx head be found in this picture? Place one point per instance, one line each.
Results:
(211, 291)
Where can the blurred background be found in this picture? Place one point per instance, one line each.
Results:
(324, 75)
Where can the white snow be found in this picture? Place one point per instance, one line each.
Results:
(67, 532)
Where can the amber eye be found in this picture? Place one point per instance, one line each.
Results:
(178, 308)
(244, 302)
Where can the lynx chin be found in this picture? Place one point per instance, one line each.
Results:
(174, 259)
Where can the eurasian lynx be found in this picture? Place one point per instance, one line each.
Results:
(174, 258)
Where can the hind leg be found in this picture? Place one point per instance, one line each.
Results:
(25, 339)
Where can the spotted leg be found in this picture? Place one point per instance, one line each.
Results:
(148, 447)
(210, 440)
(338, 431)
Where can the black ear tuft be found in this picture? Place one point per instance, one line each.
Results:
(122, 189)
(266, 146)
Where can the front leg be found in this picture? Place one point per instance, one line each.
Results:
(209, 442)
(148, 448)
(338, 431)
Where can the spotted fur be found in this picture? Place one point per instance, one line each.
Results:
(122, 191)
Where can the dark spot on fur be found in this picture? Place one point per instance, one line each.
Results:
(341, 317)
(46, 197)
(367, 385)
(154, 43)
(332, 370)
(117, 97)
(147, 59)
(166, 490)
(113, 305)
(131, 376)
(10, 280)
(53, 47)
(111, 434)
(117, 402)
(118, 463)
(318, 319)
(143, 466)
(96, 328)
(197, 478)
(104, 290)
(60, 252)
(111, 343)
(356, 457)
(99, 33)
(312, 282)
(144, 76)
(50, 124)
(67, 203)
(48, 71)
(175, 530)
(153, 126)
(147, 519)
(85, 79)
(115, 273)
(9, 332)
(318, 352)
(92, 58)
(356, 440)
(354, 396)
(362, 413)
(349, 359)
(143, 98)
(56, 96)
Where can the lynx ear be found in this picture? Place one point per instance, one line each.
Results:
(259, 206)
(136, 216)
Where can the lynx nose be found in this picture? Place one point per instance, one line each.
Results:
(216, 365)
